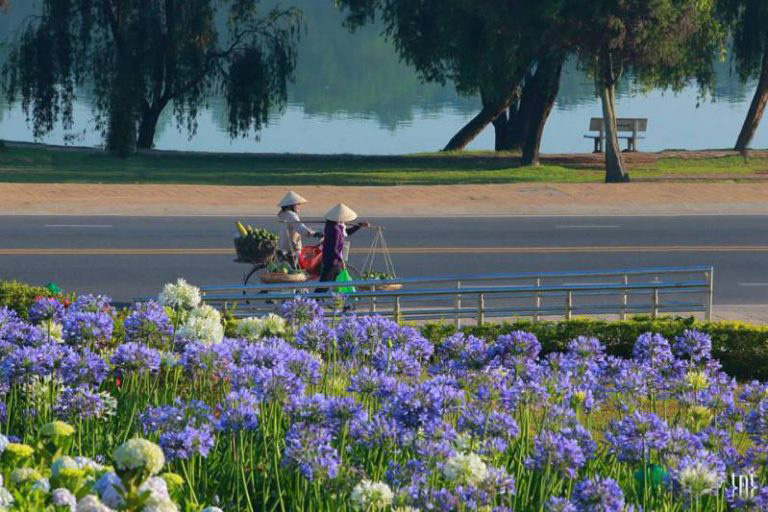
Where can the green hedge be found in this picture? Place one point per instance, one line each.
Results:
(20, 296)
(741, 348)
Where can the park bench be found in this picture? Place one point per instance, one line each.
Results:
(631, 126)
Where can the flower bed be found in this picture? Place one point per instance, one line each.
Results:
(295, 413)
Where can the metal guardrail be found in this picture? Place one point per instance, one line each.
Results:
(620, 292)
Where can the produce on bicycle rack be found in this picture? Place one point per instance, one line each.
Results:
(282, 268)
(257, 246)
(282, 272)
(378, 276)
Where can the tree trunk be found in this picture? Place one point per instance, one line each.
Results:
(501, 131)
(121, 131)
(147, 128)
(478, 123)
(756, 109)
(548, 85)
(606, 85)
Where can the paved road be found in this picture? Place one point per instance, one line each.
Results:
(128, 257)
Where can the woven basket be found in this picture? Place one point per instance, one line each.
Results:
(383, 287)
(249, 251)
(279, 277)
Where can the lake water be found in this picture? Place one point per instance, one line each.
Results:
(352, 95)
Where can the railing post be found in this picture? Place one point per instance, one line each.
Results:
(373, 299)
(655, 304)
(710, 276)
(480, 309)
(623, 314)
(397, 309)
(538, 301)
(458, 305)
(569, 305)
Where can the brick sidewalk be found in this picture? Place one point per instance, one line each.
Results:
(438, 200)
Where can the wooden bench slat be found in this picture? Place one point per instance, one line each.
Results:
(623, 124)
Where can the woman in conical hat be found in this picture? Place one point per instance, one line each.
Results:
(291, 227)
(335, 235)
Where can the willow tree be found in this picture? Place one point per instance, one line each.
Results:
(748, 21)
(665, 43)
(489, 48)
(138, 57)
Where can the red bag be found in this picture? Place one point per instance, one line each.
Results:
(311, 259)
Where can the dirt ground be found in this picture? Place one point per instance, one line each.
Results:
(438, 200)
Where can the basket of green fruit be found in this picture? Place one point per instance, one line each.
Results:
(255, 246)
(380, 276)
(282, 273)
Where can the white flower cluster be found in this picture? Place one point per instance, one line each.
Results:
(111, 491)
(254, 328)
(699, 479)
(91, 503)
(179, 295)
(204, 325)
(139, 454)
(52, 329)
(369, 495)
(466, 469)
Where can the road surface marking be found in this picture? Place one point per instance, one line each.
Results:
(587, 226)
(78, 226)
(753, 284)
(394, 250)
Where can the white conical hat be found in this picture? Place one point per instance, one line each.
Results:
(291, 198)
(341, 213)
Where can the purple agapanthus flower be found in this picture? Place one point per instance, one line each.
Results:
(368, 381)
(81, 402)
(83, 367)
(275, 384)
(185, 428)
(149, 324)
(598, 494)
(558, 504)
(494, 428)
(694, 345)
(753, 392)
(87, 328)
(511, 349)
(92, 304)
(24, 363)
(239, 411)
(757, 502)
(756, 423)
(316, 336)
(46, 308)
(135, 358)
(18, 332)
(558, 452)
(635, 436)
(652, 349)
(585, 347)
(308, 449)
(301, 311)
(396, 362)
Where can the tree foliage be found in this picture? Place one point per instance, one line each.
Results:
(485, 47)
(664, 43)
(748, 23)
(137, 57)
